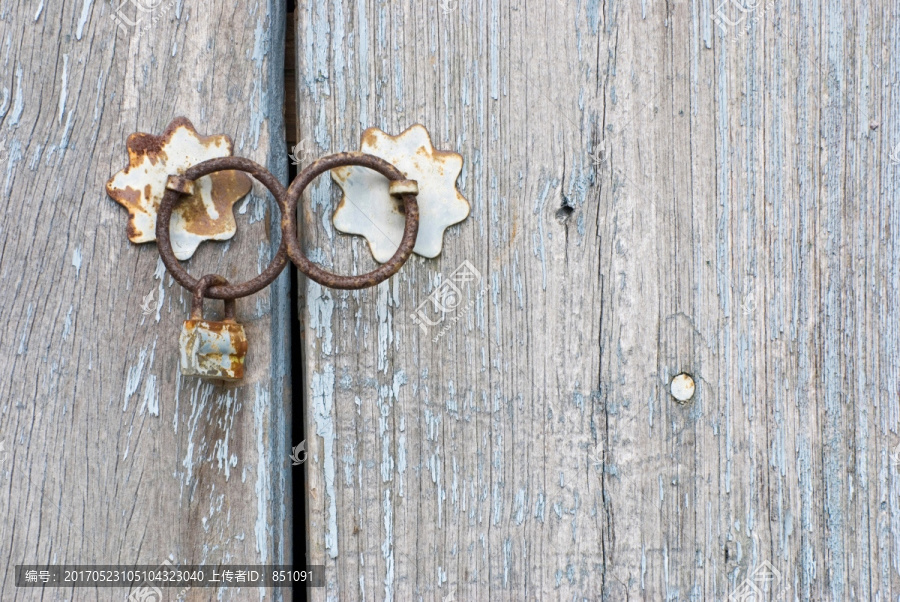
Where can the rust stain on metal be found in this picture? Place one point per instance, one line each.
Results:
(206, 214)
(213, 349)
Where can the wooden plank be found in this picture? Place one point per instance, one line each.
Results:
(654, 190)
(110, 455)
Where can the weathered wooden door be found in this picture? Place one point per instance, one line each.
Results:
(109, 456)
(699, 186)
(706, 187)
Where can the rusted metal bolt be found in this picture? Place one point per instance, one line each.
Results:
(179, 184)
(682, 387)
(401, 187)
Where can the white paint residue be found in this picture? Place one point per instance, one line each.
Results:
(437, 477)
(259, 210)
(401, 457)
(98, 97)
(40, 9)
(36, 158)
(363, 59)
(67, 326)
(321, 309)
(199, 397)
(76, 261)
(67, 131)
(262, 476)
(385, 335)
(259, 98)
(384, 411)
(518, 505)
(538, 236)
(151, 396)
(177, 394)
(262, 256)
(385, 402)
(161, 291)
(128, 438)
(400, 379)
(507, 553)
(323, 402)
(4, 104)
(23, 343)
(85, 9)
(454, 485)
(134, 377)
(15, 155)
(64, 92)
(387, 548)
(225, 459)
(19, 101)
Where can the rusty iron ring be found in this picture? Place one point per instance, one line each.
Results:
(177, 186)
(289, 222)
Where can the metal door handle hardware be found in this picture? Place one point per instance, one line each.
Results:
(367, 207)
(207, 212)
(181, 187)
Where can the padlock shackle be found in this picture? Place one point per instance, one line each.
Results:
(197, 299)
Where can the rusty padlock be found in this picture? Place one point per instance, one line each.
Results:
(212, 349)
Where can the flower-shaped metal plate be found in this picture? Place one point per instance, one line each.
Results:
(368, 209)
(207, 214)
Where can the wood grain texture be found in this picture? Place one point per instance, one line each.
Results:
(110, 455)
(652, 192)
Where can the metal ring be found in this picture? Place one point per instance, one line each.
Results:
(289, 222)
(164, 216)
(198, 295)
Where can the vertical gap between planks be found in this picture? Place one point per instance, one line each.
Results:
(298, 473)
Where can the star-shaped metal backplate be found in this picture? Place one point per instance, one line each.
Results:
(369, 210)
(207, 214)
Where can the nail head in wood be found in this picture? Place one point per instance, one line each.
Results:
(682, 387)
